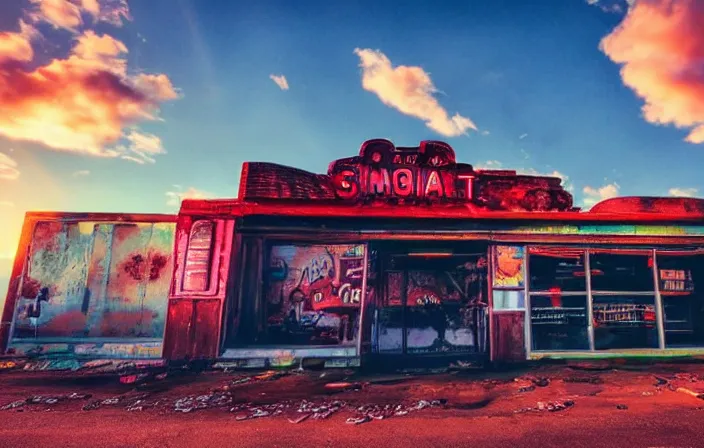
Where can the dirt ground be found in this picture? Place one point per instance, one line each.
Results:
(553, 406)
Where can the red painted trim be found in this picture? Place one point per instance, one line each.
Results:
(236, 208)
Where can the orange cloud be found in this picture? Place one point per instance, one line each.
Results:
(17, 46)
(410, 91)
(81, 103)
(8, 168)
(69, 14)
(660, 47)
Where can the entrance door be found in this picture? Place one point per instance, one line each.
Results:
(433, 304)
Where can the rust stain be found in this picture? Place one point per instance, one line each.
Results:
(134, 266)
(70, 322)
(159, 262)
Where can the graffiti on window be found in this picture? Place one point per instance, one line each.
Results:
(314, 293)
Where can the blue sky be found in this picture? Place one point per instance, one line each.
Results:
(530, 76)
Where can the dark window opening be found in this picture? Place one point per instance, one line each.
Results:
(681, 280)
(557, 269)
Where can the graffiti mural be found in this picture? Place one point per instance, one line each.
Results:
(95, 280)
(313, 294)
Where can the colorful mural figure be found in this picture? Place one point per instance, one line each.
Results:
(508, 266)
(88, 281)
(314, 293)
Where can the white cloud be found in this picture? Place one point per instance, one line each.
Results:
(488, 165)
(8, 168)
(7, 204)
(280, 81)
(409, 90)
(594, 195)
(80, 173)
(566, 184)
(522, 136)
(683, 192)
(174, 198)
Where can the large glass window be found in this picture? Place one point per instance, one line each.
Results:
(623, 299)
(558, 299)
(681, 278)
(313, 294)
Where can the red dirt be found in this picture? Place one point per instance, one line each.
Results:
(481, 411)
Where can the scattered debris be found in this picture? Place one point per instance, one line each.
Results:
(212, 400)
(131, 379)
(13, 405)
(647, 394)
(527, 389)
(7, 365)
(541, 382)
(590, 380)
(690, 393)
(661, 381)
(343, 386)
(554, 406)
(300, 419)
(621, 407)
(550, 406)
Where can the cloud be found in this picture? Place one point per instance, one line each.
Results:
(8, 168)
(7, 204)
(174, 198)
(140, 147)
(522, 136)
(81, 173)
(69, 14)
(409, 90)
(683, 192)
(612, 6)
(660, 47)
(496, 165)
(488, 165)
(595, 195)
(280, 81)
(83, 102)
(566, 184)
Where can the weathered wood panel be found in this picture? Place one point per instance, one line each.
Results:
(177, 339)
(206, 344)
(508, 338)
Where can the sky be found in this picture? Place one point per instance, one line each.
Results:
(131, 106)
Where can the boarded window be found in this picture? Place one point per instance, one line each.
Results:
(196, 276)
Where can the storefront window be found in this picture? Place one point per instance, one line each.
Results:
(558, 299)
(559, 322)
(623, 300)
(680, 282)
(621, 272)
(313, 294)
(557, 269)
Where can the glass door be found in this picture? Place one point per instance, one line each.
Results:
(434, 304)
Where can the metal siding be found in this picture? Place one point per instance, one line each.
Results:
(105, 280)
(58, 261)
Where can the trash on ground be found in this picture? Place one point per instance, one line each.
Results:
(621, 406)
(342, 386)
(690, 393)
(550, 406)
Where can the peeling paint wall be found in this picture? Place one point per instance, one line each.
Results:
(88, 281)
